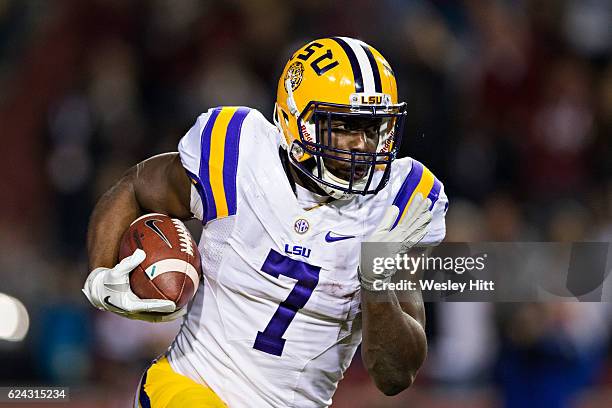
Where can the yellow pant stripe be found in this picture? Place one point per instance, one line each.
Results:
(167, 389)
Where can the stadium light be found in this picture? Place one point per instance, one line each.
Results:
(14, 319)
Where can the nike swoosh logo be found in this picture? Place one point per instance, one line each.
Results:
(107, 301)
(155, 228)
(336, 237)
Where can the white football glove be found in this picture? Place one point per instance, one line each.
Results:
(407, 233)
(109, 289)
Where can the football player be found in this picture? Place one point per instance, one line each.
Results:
(283, 305)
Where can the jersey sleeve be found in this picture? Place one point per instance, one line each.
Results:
(421, 180)
(209, 153)
(437, 226)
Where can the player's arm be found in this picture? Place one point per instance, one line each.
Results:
(394, 343)
(158, 184)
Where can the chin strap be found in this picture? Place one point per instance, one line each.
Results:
(275, 118)
(292, 109)
(290, 99)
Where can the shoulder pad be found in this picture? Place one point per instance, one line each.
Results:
(419, 180)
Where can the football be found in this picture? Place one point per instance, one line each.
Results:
(172, 268)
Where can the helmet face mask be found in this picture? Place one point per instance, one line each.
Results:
(340, 170)
(337, 108)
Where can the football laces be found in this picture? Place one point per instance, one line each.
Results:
(184, 237)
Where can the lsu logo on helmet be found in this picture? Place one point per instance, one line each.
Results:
(294, 75)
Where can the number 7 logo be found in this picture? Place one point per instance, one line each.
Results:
(271, 339)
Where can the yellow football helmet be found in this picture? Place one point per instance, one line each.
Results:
(329, 87)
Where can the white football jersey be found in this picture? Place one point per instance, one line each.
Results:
(276, 319)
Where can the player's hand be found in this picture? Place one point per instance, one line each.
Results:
(407, 233)
(109, 289)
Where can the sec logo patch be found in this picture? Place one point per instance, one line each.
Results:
(301, 226)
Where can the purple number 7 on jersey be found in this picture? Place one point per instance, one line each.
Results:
(271, 339)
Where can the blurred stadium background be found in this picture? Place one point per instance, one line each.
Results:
(510, 103)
